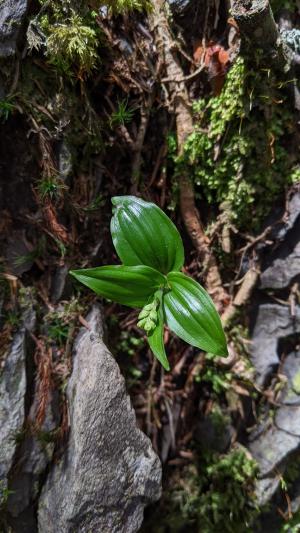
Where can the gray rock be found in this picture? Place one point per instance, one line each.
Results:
(273, 322)
(272, 447)
(109, 471)
(59, 283)
(282, 271)
(65, 163)
(11, 16)
(34, 454)
(288, 419)
(179, 6)
(266, 488)
(291, 369)
(12, 395)
(294, 213)
(19, 254)
(288, 415)
(284, 262)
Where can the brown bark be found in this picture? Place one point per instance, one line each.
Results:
(258, 28)
(184, 125)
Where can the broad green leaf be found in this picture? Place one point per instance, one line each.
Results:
(191, 314)
(143, 235)
(132, 286)
(156, 338)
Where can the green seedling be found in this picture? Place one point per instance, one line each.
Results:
(123, 115)
(151, 250)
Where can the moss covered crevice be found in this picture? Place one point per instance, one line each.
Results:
(240, 151)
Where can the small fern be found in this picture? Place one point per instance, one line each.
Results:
(73, 43)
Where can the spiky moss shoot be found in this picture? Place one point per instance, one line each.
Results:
(238, 150)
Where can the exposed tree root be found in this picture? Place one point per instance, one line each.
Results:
(243, 294)
(184, 126)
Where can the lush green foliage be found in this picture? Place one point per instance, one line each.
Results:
(237, 152)
(73, 43)
(151, 250)
(214, 496)
(154, 241)
(225, 489)
(292, 525)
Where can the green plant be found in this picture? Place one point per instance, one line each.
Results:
(94, 205)
(5, 492)
(231, 158)
(292, 525)
(6, 108)
(50, 187)
(151, 250)
(230, 481)
(13, 319)
(119, 7)
(220, 381)
(221, 497)
(59, 323)
(122, 115)
(73, 43)
(213, 495)
(58, 331)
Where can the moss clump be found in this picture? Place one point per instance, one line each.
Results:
(238, 150)
(215, 497)
(72, 43)
(225, 498)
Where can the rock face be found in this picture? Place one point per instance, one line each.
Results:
(11, 16)
(276, 326)
(274, 444)
(109, 471)
(283, 264)
(12, 396)
(273, 324)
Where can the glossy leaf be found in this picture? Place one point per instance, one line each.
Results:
(143, 235)
(191, 314)
(156, 338)
(132, 286)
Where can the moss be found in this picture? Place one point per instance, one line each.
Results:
(238, 150)
(217, 496)
(220, 380)
(292, 525)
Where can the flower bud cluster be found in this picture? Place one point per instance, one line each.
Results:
(148, 317)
